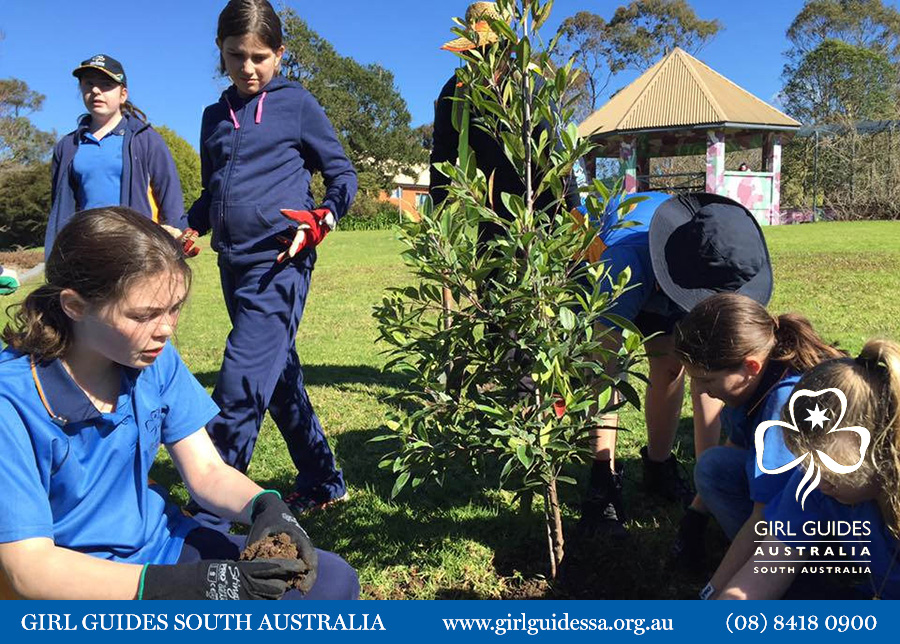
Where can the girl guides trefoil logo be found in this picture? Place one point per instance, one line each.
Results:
(817, 418)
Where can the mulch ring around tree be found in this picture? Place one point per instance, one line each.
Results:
(276, 546)
(21, 260)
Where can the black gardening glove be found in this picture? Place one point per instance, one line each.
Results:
(212, 579)
(271, 516)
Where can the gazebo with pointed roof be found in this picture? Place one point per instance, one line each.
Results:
(682, 107)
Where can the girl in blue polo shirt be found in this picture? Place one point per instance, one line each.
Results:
(859, 489)
(736, 352)
(260, 144)
(91, 388)
(113, 158)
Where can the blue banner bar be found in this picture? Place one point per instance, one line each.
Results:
(448, 621)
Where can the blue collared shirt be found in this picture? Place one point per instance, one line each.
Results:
(80, 477)
(819, 507)
(629, 247)
(97, 169)
(740, 423)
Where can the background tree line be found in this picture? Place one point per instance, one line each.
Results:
(842, 67)
(369, 114)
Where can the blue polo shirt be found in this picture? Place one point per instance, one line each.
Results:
(823, 508)
(740, 423)
(97, 169)
(628, 244)
(82, 479)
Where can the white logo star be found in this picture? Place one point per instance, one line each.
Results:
(817, 417)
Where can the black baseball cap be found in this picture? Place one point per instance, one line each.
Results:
(702, 244)
(106, 64)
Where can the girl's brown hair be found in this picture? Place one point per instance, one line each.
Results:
(99, 254)
(242, 17)
(871, 385)
(723, 330)
(133, 110)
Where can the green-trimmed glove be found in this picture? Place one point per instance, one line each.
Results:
(212, 579)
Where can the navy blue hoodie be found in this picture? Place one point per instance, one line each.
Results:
(150, 181)
(257, 155)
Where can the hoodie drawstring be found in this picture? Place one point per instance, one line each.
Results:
(259, 108)
(237, 126)
(259, 111)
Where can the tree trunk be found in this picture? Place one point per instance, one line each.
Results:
(447, 305)
(553, 519)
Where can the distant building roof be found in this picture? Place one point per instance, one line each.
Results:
(680, 92)
(421, 178)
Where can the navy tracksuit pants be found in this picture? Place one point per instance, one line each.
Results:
(261, 370)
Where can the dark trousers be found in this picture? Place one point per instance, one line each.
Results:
(335, 579)
(261, 370)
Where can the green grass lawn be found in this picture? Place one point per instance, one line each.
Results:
(463, 542)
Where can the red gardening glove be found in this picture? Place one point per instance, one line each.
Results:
(187, 241)
(310, 231)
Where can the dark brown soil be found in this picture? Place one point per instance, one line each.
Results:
(278, 546)
(21, 260)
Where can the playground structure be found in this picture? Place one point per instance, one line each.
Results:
(682, 107)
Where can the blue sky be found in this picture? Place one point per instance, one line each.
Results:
(169, 53)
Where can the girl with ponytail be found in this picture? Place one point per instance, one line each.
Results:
(736, 351)
(113, 158)
(866, 498)
(91, 388)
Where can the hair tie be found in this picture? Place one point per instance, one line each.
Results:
(870, 362)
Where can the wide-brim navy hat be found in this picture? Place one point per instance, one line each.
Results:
(702, 244)
(103, 63)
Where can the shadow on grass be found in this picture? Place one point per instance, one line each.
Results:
(338, 376)
(435, 526)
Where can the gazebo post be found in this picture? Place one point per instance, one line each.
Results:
(628, 157)
(643, 164)
(591, 166)
(715, 162)
(772, 163)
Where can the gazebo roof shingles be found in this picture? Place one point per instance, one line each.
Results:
(680, 92)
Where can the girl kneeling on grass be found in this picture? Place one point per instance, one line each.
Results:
(867, 498)
(734, 350)
(91, 387)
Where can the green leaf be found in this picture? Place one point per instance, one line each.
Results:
(399, 484)
(624, 323)
(382, 437)
(507, 469)
(567, 318)
(523, 452)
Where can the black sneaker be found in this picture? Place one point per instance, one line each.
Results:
(667, 479)
(689, 548)
(603, 511)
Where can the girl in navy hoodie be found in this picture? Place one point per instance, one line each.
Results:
(259, 145)
(113, 158)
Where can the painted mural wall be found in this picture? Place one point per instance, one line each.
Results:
(755, 191)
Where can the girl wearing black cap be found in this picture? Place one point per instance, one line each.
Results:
(736, 352)
(113, 157)
(679, 251)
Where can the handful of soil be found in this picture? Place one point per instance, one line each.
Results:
(276, 546)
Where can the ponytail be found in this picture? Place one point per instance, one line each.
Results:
(723, 330)
(38, 325)
(871, 386)
(133, 110)
(882, 358)
(798, 345)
